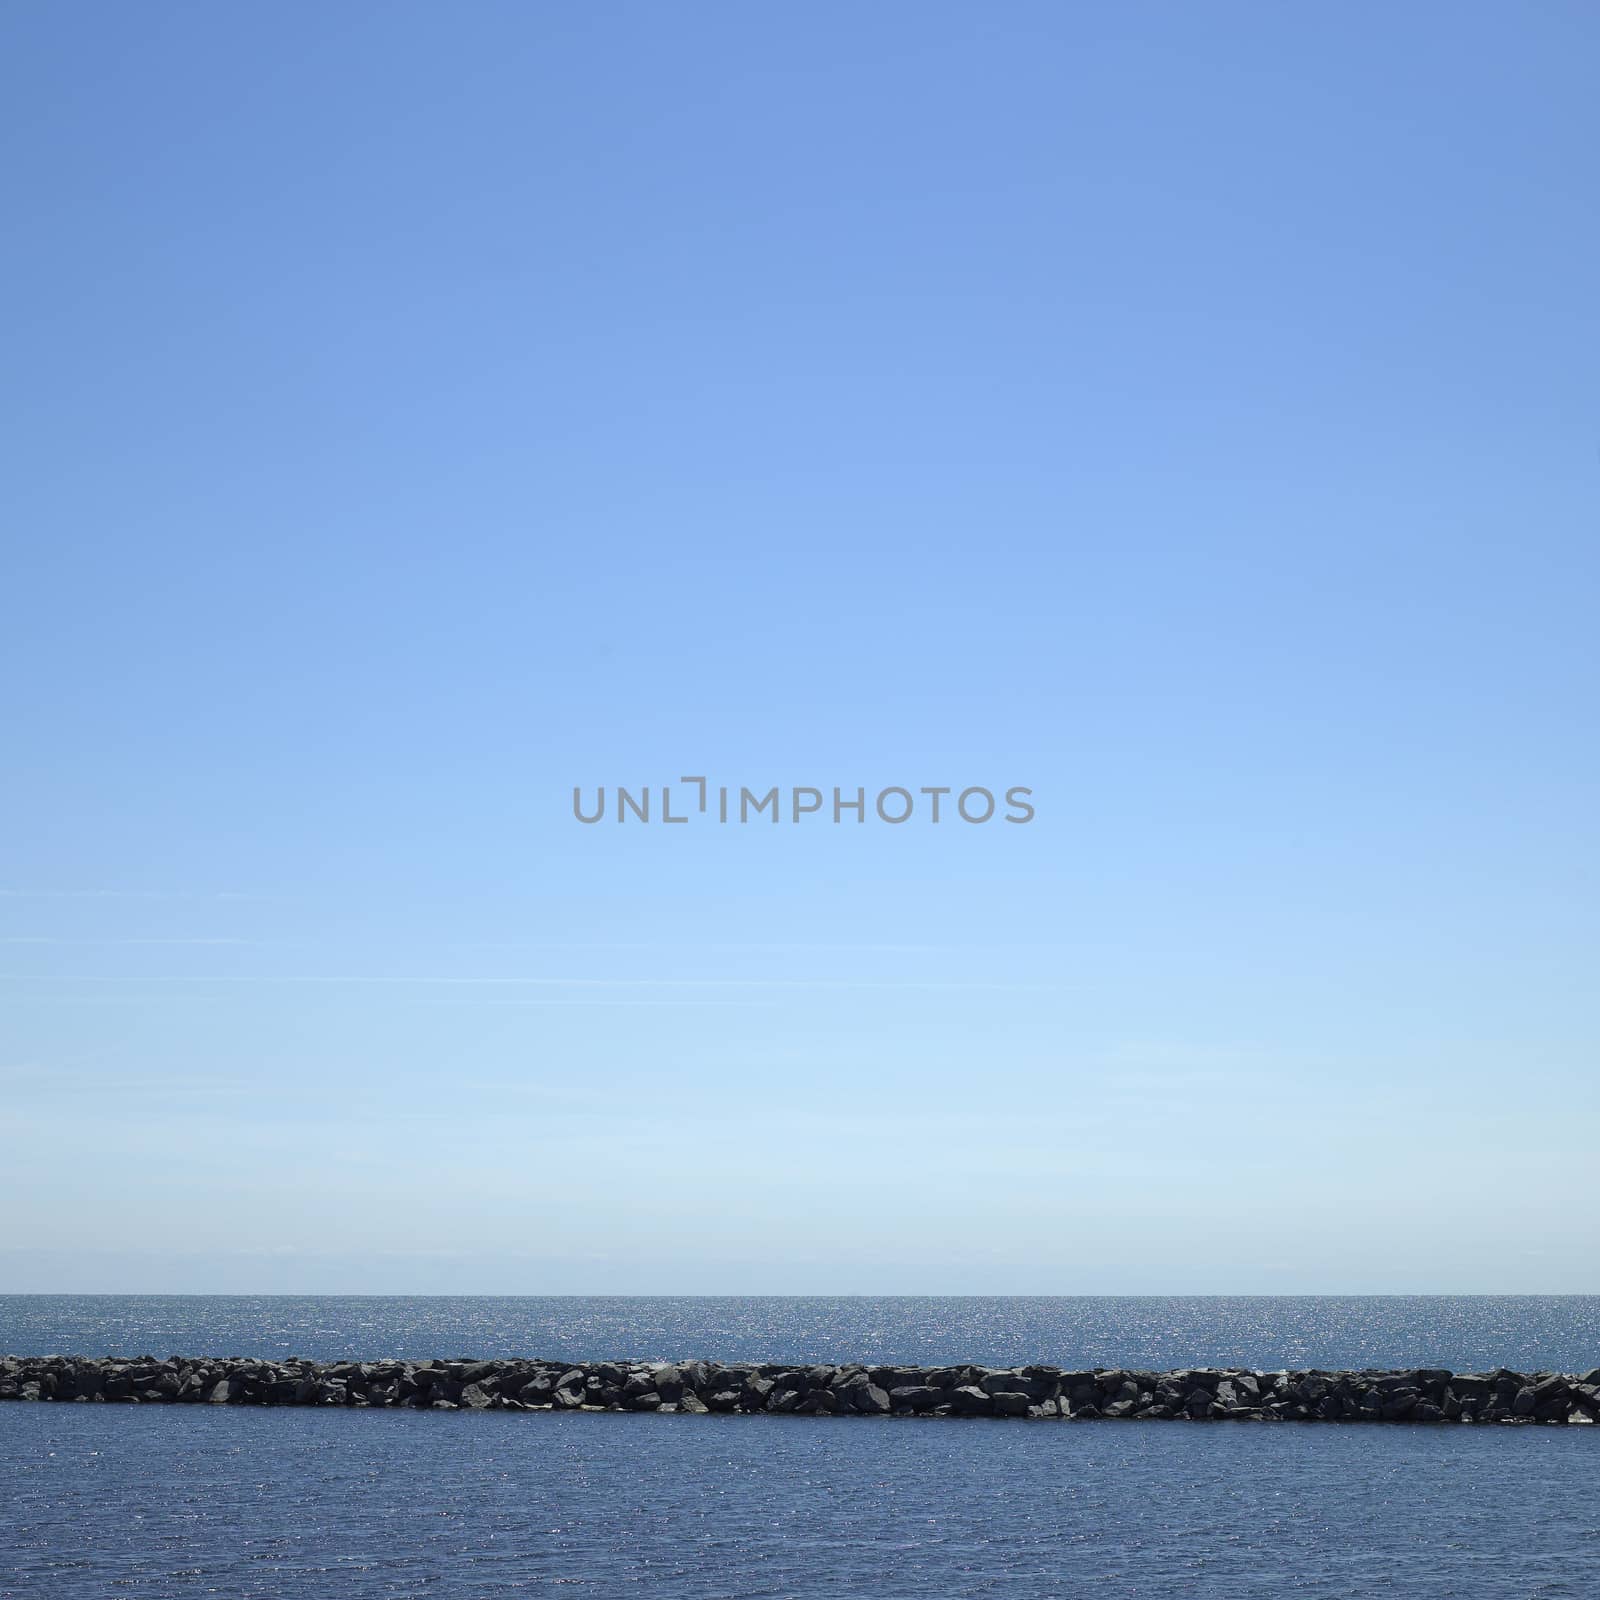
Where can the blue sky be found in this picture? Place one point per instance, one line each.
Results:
(412, 412)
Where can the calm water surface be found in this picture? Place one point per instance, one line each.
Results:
(161, 1500)
(1464, 1333)
(196, 1501)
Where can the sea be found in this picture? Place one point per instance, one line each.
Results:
(104, 1500)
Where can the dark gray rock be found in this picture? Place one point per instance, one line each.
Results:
(870, 1400)
(1399, 1403)
(1422, 1395)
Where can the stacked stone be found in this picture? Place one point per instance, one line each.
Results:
(1191, 1394)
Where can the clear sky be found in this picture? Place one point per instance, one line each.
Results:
(413, 411)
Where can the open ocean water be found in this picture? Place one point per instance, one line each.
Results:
(193, 1500)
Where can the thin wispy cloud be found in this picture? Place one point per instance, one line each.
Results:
(52, 939)
(678, 943)
(674, 943)
(66, 997)
(68, 1078)
(606, 1005)
(133, 894)
(526, 982)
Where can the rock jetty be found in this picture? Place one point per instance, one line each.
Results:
(700, 1387)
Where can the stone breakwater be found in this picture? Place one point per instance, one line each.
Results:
(1044, 1393)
